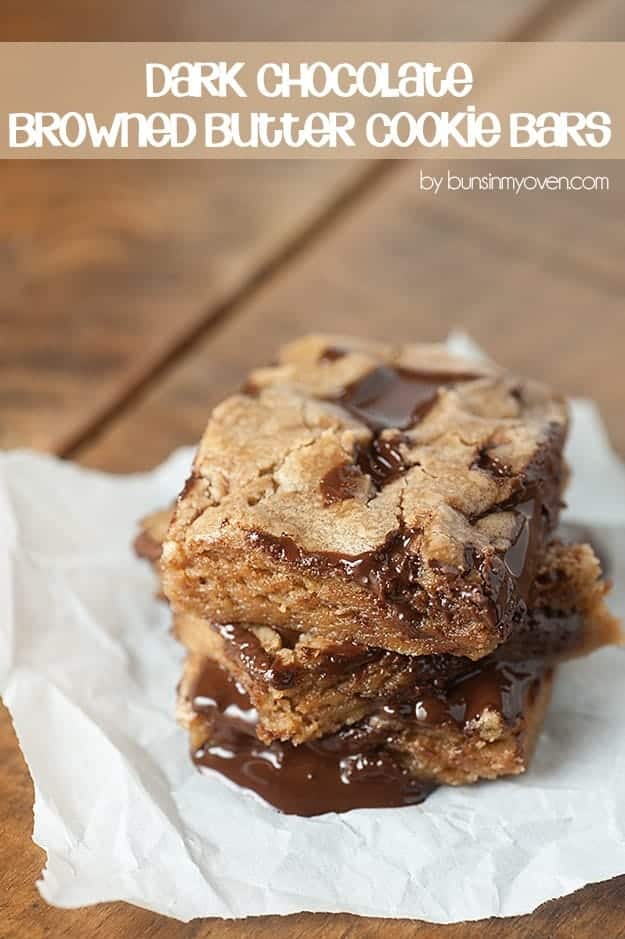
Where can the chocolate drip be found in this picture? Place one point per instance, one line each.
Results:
(354, 768)
(423, 686)
(391, 396)
(497, 685)
(390, 572)
(508, 575)
(503, 687)
(490, 463)
(382, 460)
(348, 770)
(544, 633)
(387, 397)
(520, 549)
(260, 664)
(345, 657)
(536, 504)
(246, 648)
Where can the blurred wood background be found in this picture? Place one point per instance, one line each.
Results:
(135, 295)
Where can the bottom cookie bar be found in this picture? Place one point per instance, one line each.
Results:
(483, 727)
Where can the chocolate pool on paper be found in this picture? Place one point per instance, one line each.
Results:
(354, 768)
(347, 770)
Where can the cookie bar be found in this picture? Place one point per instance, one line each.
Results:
(483, 727)
(396, 497)
(302, 688)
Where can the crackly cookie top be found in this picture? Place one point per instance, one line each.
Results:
(346, 447)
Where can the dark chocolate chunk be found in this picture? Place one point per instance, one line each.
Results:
(391, 396)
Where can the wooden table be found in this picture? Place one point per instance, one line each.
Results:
(134, 296)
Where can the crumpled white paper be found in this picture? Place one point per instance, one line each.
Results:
(88, 671)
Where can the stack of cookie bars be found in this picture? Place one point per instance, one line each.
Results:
(365, 569)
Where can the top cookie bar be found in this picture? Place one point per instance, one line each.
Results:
(395, 496)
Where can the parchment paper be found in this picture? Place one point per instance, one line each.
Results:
(88, 672)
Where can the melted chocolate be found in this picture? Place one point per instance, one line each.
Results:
(508, 575)
(523, 543)
(348, 770)
(387, 397)
(345, 657)
(505, 687)
(499, 685)
(260, 664)
(248, 649)
(390, 572)
(536, 504)
(288, 635)
(490, 463)
(245, 646)
(544, 633)
(391, 396)
(340, 483)
(382, 460)
(507, 607)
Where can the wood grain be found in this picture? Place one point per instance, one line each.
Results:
(248, 20)
(524, 275)
(572, 231)
(400, 266)
(110, 270)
